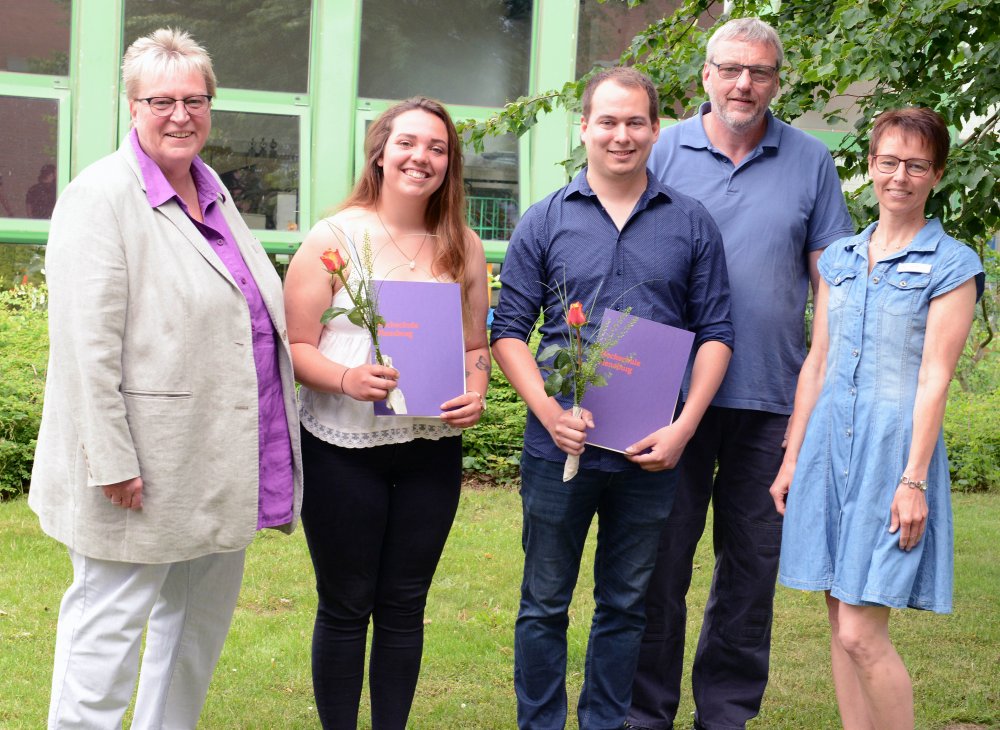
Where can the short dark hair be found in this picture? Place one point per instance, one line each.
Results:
(918, 121)
(623, 76)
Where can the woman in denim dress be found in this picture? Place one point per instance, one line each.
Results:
(864, 486)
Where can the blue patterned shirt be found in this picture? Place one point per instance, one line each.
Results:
(666, 264)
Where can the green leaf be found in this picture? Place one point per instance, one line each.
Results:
(331, 313)
(357, 317)
(548, 352)
(553, 384)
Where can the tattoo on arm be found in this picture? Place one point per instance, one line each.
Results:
(483, 364)
(467, 373)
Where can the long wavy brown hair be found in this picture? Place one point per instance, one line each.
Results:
(445, 214)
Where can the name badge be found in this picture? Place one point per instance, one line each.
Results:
(914, 268)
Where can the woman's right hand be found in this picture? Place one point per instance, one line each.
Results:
(780, 486)
(908, 516)
(126, 494)
(369, 382)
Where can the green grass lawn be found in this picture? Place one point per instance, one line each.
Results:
(263, 679)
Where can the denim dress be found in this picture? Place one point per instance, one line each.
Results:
(836, 529)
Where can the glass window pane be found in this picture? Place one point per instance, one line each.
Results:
(34, 36)
(606, 30)
(491, 190)
(28, 149)
(257, 156)
(254, 44)
(472, 52)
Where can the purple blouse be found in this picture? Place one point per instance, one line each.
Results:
(276, 481)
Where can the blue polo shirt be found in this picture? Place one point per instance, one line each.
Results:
(666, 264)
(782, 202)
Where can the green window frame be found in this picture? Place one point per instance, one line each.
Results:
(93, 113)
(37, 86)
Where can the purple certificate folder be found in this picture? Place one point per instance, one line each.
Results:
(644, 372)
(423, 336)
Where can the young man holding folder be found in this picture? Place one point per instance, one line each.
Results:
(614, 237)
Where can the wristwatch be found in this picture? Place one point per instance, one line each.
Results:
(920, 484)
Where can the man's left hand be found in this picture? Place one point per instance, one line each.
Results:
(660, 450)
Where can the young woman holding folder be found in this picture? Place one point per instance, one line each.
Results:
(381, 494)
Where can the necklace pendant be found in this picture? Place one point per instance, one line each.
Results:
(413, 265)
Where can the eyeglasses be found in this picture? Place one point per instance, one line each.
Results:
(758, 74)
(163, 106)
(915, 167)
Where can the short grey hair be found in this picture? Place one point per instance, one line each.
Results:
(165, 51)
(749, 30)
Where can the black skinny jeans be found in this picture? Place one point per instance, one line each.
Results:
(376, 520)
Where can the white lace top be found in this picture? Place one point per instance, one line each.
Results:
(343, 421)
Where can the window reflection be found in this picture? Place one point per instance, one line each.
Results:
(20, 264)
(254, 44)
(257, 156)
(34, 36)
(607, 29)
(491, 189)
(28, 156)
(472, 52)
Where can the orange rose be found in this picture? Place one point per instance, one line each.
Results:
(576, 317)
(333, 261)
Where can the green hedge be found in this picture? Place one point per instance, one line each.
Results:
(491, 450)
(972, 434)
(23, 352)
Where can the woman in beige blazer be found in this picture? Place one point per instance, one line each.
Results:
(169, 433)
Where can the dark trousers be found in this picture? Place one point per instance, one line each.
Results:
(376, 520)
(731, 663)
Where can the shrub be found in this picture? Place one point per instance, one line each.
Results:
(20, 264)
(23, 351)
(491, 450)
(493, 447)
(972, 435)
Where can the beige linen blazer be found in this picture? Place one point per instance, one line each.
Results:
(150, 374)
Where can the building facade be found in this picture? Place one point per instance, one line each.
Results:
(299, 81)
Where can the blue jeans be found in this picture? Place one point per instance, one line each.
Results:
(632, 507)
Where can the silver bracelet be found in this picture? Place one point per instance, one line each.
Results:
(482, 400)
(920, 484)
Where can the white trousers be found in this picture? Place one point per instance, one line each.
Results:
(188, 607)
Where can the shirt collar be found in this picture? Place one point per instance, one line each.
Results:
(158, 188)
(926, 240)
(579, 186)
(693, 135)
(928, 237)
